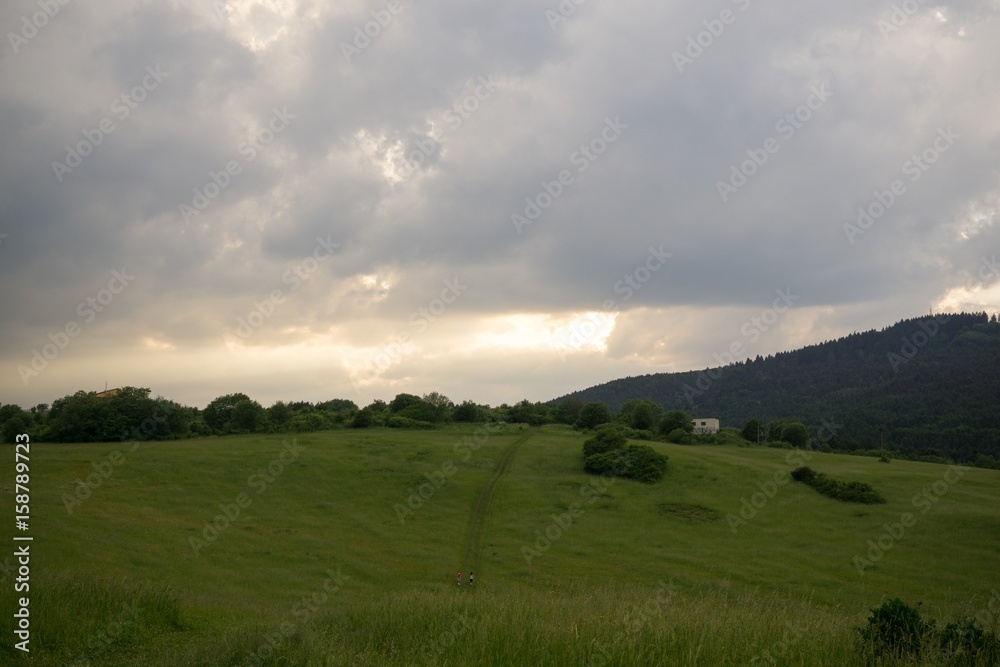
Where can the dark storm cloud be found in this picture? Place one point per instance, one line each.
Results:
(741, 137)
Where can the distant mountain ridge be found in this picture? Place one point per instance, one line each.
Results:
(932, 383)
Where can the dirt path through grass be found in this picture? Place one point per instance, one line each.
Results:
(470, 562)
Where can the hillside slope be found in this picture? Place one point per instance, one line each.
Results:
(933, 383)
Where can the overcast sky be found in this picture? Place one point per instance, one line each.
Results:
(307, 200)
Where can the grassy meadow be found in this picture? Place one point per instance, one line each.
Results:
(342, 549)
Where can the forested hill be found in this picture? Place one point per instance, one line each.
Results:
(933, 383)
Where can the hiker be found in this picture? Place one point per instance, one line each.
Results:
(459, 577)
(471, 578)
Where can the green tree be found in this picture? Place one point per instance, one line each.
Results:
(676, 419)
(234, 413)
(15, 422)
(795, 433)
(338, 405)
(440, 404)
(362, 419)
(751, 430)
(568, 412)
(606, 438)
(594, 414)
(467, 412)
(640, 413)
(280, 414)
(403, 401)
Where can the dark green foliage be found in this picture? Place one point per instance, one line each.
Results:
(752, 431)
(679, 436)
(593, 415)
(895, 629)
(640, 414)
(337, 405)
(966, 643)
(942, 398)
(398, 421)
(638, 462)
(466, 412)
(635, 434)
(362, 419)
(402, 402)
(526, 412)
(15, 423)
(234, 413)
(804, 474)
(675, 419)
(796, 434)
(568, 411)
(605, 439)
(848, 492)
(130, 415)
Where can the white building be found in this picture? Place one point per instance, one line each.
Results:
(705, 425)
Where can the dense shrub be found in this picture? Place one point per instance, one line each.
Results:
(804, 474)
(398, 421)
(966, 643)
(639, 462)
(639, 434)
(679, 436)
(594, 414)
(895, 629)
(606, 438)
(848, 492)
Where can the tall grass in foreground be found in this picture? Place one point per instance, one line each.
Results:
(113, 623)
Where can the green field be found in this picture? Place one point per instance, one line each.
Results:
(328, 563)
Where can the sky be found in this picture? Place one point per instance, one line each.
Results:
(305, 200)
